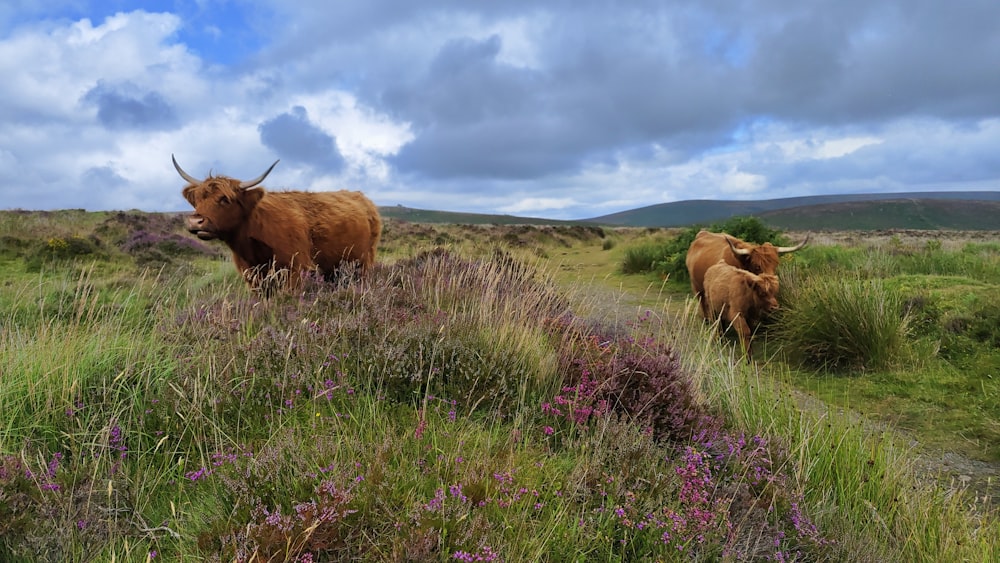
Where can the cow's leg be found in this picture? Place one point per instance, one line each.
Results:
(743, 331)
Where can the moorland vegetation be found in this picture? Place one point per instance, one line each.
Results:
(470, 400)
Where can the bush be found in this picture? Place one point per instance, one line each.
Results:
(160, 248)
(59, 249)
(842, 324)
(964, 334)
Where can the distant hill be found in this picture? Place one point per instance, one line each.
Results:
(918, 210)
(401, 213)
(927, 214)
(961, 214)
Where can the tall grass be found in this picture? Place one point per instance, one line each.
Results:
(858, 479)
(445, 407)
(842, 324)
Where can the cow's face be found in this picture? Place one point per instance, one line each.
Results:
(765, 287)
(220, 206)
(763, 258)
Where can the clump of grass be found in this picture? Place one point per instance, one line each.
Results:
(842, 324)
(642, 258)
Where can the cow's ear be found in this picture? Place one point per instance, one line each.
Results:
(249, 198)
(188, 194)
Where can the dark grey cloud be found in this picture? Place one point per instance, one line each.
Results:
(609, 77)
(295, 138)
(100, 178)
(475, 115)
(125, 106)
(876, 61)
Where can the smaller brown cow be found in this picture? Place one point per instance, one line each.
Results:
(708, 248)
(283, 231)
(741, 298)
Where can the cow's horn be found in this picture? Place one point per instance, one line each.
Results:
(738, 251)
(191, 179)
(784, 249)
(259, 179)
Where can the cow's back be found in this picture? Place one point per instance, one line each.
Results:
(345, 225)
(723, 284)
(341, 225)
(705, 251)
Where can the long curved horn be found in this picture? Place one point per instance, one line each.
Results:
(191, 179)
(784, 249)
(737, 251)
(259, 179)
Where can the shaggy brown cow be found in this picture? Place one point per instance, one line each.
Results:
(740, 297)
(708, 248)
(273, 231)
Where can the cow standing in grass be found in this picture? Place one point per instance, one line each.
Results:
(286, 231)
(709, 248)
(739, 298)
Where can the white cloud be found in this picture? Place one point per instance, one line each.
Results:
(536, 204)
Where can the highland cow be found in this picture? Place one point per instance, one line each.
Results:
(285, 231)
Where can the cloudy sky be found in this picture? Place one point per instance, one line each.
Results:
(561, 109)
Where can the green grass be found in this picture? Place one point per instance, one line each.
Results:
(924, 340)
(452, 405)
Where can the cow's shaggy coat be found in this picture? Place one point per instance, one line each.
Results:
(289, 230)
(739, 298)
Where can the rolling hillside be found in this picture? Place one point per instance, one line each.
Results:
(923, 210)
(941, 210)
(929, 214)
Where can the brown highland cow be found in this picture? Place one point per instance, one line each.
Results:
(290, 231)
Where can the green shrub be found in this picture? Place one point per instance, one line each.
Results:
(57, 249)
(842, 324)
(643, 258)
(750, 229)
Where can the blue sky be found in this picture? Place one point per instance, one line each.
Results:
(561, 109)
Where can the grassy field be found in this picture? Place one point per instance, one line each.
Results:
(487, 394)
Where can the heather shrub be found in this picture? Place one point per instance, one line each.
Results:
(642, 380)
(284, 504)
(436, 325)
(155, 248)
